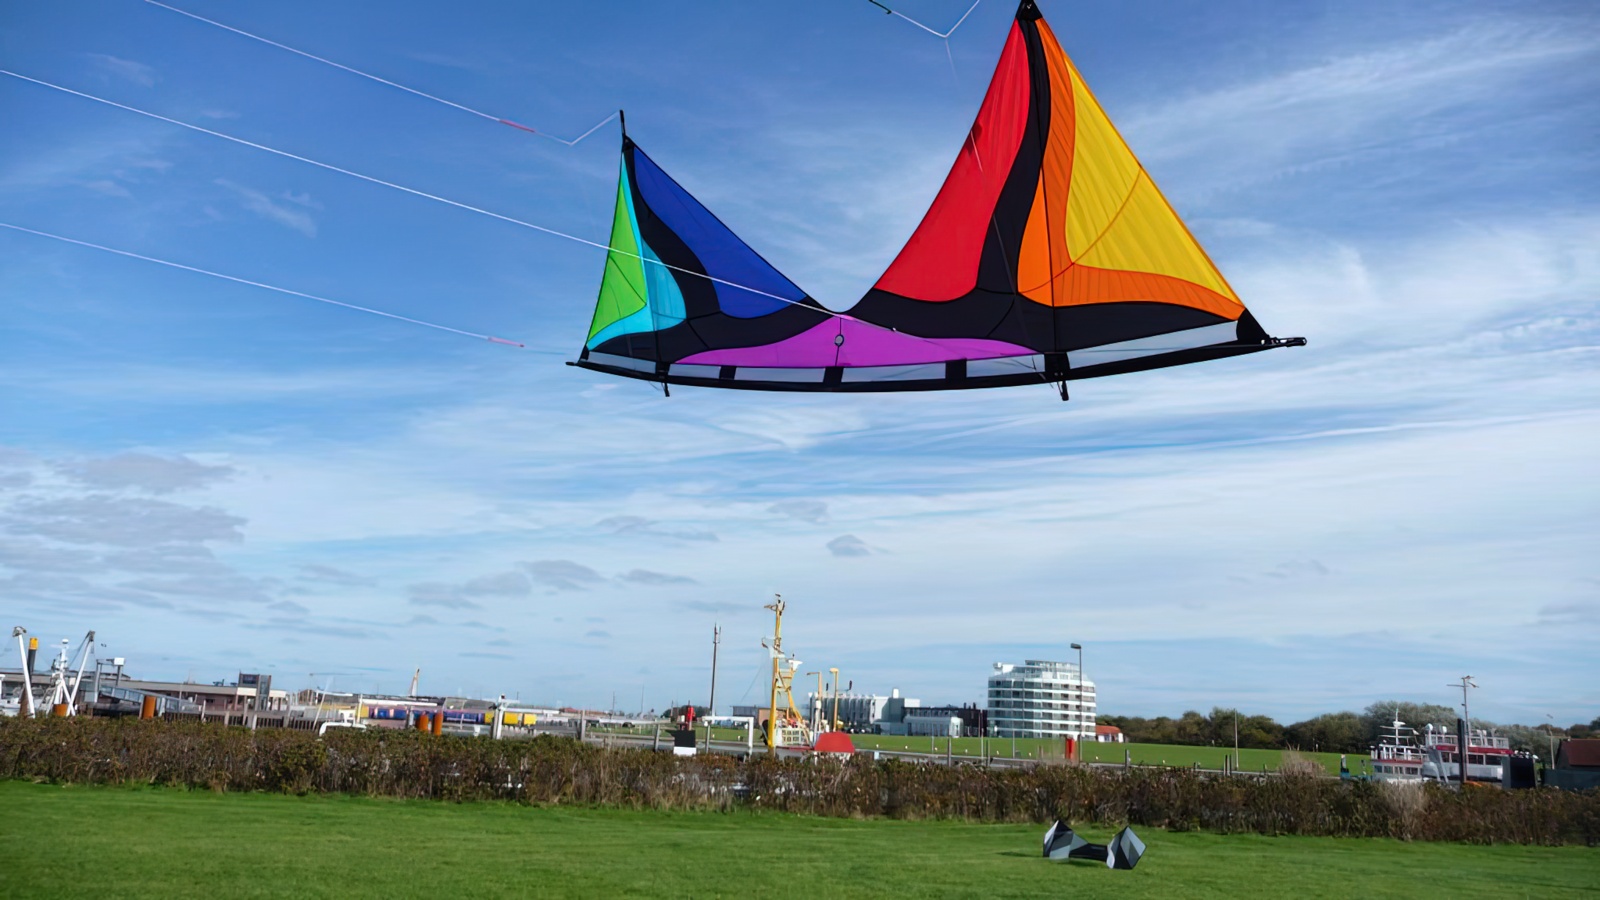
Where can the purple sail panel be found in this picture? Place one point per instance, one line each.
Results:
(844, 342)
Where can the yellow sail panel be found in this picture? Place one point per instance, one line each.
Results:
(1104, 170)
(1116, 216)
(1146, 236)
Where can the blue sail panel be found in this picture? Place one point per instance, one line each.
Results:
(724, 256)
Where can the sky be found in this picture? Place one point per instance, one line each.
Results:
(218, 479)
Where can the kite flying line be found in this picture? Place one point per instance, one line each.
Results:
(941, 35)
(448, 202)
(394, 84)
(293, 293)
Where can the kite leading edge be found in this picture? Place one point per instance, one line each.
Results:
(1047, 256)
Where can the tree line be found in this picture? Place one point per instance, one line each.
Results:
(1339, 732)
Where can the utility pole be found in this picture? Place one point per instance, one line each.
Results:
(1236, 739)
(711, 710)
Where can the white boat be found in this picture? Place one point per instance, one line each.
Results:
(1485, 755)
(1398, 757)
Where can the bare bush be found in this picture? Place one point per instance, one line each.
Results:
(1294, 765)
(1407, 802)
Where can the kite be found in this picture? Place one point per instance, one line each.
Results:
(1048, 255)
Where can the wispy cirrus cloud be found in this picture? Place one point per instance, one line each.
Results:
(294, 212)
(125, 69)
(1358, 105)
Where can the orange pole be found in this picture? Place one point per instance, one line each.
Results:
(59, 710)
(422, 722)
(438, 723)
(147, 709)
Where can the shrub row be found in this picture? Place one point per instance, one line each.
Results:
(553, 770)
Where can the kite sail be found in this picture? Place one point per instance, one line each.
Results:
(1048, 256)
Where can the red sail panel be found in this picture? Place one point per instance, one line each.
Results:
(940, 262)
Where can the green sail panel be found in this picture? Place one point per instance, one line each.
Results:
(622, 291)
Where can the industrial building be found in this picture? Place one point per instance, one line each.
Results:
(1041, 699)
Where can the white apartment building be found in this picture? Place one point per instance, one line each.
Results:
(1041, 699)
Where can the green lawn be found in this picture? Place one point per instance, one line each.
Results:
(1143, 754)
(1031, 748)
(125, 842)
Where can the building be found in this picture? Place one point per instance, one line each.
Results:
(934, 726)
(1577, 765)
(974, 719)
(1041, 699)
(1109, 734)
(857, 712)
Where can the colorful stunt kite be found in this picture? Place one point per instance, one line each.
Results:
(1048, 255)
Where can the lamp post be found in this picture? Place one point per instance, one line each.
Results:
(1550, 732)
(1466, 715)
(834, 723)
(818, 708)
(1079, 648)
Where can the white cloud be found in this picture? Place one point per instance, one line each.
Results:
(1368, 100)
(125, 69)
(124, 522)
(647, 577)
(146, 472)
(849, 545)
(812, 511)
(267, 208)
(563, 574)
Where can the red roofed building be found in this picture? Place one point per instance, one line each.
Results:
(1108, 734)
(1577, 765)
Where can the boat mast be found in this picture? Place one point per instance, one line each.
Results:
(777, 606)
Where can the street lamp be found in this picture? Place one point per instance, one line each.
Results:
(1466, 715)
(1550, 731)
(1079, 648)
(834, 671)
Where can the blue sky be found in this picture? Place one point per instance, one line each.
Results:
(218, 478)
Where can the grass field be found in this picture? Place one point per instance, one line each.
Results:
(1142, 754)
(127, 842)
(1031, 748)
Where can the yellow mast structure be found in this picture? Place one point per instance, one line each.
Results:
(783, 670)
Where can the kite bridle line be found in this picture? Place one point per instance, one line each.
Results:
(941, 35)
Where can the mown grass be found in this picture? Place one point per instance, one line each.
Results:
(78, 841)
(1039, 748)
(1142, 754)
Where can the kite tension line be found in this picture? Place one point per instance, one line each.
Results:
(941, 35)
(448, 202)
(293, 293)
(381, 80)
